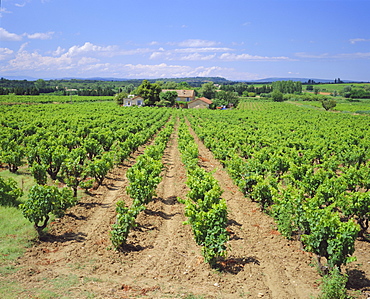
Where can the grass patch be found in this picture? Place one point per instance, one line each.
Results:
(16, 232)
(10, 290)
(23, 178)
(64, 282)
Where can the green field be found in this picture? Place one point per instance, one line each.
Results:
(339, 87)
(47, 98)
(362, 106)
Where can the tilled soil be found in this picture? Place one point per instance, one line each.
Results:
(161, 259)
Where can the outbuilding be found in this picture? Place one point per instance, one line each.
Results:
(135, 101)
(200, 103)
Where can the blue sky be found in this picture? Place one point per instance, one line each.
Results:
(235, 39)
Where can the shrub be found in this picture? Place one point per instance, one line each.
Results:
(46, 200)
(9, 192)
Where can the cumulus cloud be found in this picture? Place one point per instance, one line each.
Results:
(89, 59)
(7, 36)
(89, 48)
(58, 51)
(43, 36)
(5, 53)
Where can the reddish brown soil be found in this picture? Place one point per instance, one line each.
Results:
(162, 259)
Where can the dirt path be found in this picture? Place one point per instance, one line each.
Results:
(161, 259)
(273, 267)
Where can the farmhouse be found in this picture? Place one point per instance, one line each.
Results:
(200, 103)
(134, 101)
(183, 95)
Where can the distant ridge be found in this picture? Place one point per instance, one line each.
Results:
(218, 80)
(303, 80)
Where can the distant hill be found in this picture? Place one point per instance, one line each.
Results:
(28, 78)
(193, 81)
(303, 80)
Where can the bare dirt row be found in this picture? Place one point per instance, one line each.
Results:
(161, 259)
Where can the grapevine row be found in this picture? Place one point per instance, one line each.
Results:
(76, 145)
(204, 208)
(314, 184)
(143, 176)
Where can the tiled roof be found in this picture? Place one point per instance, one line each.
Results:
(205, 100)
(183, 93)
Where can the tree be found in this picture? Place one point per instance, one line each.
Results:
(170, 85)
(328, 104)
(129, 88)
(167, 98)
(277, 96)
(119, 97)
(184, 85)
(226, 97)
(208, 90)
(149, 92)
(40, 83)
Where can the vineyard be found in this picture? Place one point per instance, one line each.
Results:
(258, 202)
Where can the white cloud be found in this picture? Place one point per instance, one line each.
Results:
(158, 55)
(5, 53)
(356, 40)
(198, 57)
(237, 57)
(58, 51)
(197, 50)
(89, 48)
(67, 65)
(164, 70)
(187, 53)
(346, 56)
(3, 10)
(20, 4)
(314, 56)
(43, 36)
(358, 55)
(197, 43)
(22, 47)
(87, 60)
(7, 36)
